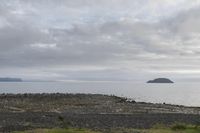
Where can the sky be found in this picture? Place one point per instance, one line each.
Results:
(100, 40)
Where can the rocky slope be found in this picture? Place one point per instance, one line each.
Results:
(28, 111)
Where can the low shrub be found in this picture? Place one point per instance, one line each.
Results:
(178, 126)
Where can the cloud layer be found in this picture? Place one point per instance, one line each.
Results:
(99, 40)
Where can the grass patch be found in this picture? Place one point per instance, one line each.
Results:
(158, 128)
(161, 128)
(156, 131)
(179, 126)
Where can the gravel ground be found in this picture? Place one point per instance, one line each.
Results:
(22, 121)
(30, 111)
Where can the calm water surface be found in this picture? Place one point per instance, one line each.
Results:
(178, 93)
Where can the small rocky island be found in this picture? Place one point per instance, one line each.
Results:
(10, 80)
(160, 80)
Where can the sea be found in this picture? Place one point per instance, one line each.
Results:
(187, 94)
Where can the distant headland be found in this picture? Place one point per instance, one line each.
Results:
(11, 80)
(160, 80)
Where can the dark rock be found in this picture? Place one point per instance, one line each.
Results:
(160, 80)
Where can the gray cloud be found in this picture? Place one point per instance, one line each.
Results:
(98, 40)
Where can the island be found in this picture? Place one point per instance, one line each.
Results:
(160, 80)
(10, 80)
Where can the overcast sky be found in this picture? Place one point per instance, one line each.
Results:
(100, 40)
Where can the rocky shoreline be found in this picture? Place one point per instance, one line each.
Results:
(29, 111)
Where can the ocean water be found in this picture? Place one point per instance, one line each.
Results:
(178, 93)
